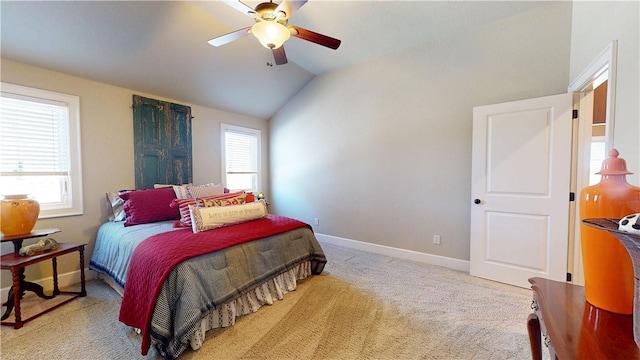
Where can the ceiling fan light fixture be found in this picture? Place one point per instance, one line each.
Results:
(271, 34)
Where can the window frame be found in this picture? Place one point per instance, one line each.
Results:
(224, 128)
(75, 203)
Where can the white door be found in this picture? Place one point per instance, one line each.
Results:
(520, 189)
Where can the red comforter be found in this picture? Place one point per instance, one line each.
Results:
(148, 271)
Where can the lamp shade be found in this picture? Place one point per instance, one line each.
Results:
(271, 34)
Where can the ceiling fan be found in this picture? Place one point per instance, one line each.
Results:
(271, 27)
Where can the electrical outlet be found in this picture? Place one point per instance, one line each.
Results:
(436, 239)
(316, 221)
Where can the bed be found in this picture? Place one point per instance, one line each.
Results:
(177, 283)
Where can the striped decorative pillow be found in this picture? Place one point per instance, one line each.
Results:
(183, 205)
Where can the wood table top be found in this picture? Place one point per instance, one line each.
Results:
(579, 330)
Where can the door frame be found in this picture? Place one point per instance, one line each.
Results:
(582, 90)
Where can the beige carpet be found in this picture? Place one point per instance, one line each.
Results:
(364, 306)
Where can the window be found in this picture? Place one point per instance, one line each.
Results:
(40, 148)
(240, 158)
(598, 154)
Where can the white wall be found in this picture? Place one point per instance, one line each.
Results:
(107, 152)
(595, 25)
(381, 152)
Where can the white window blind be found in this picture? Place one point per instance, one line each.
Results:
(34, 138)
(241, 158)
(598, 154)
(37, 152)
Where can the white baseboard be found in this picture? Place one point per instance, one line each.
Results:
(64, 280)
(447, 262)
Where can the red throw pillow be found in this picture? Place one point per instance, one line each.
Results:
(147, 206)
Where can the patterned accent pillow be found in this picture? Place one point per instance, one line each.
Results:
(213, 217)
(236, 200)
(183, 205)
(148, 206)
(205, 190)
(180, 190)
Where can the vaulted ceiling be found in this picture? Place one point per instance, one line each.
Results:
(160, 47)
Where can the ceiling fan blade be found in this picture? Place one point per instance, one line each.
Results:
(314, 37)
(280, 56)
(240, 6)
(227, 38)
(288, 7)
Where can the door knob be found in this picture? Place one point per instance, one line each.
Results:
(477, 201)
